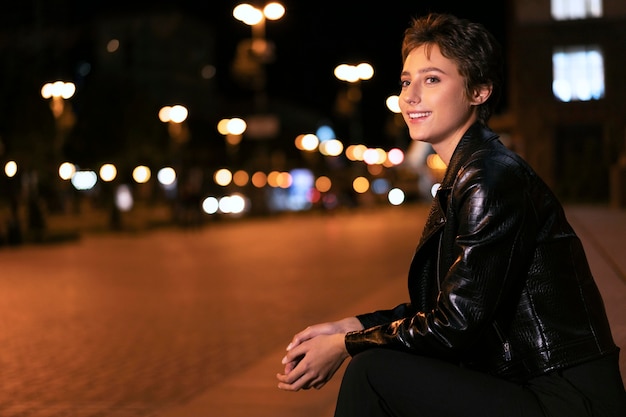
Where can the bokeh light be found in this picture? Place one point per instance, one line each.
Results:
(241, 178)
(233, 204)
(84, 180)
(395, 196)
(141, 174)
(361, 185)
(274, 11)
(332, 147)
(236, 126)
(259, 179)
(166, 176)
(323, 184)
(10, 169)
(395, 156)
(223, 177)
(66, 170)
(124, 198)
(210, 205)
(108, 172)
(392, 104)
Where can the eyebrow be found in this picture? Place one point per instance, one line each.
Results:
(424, 70)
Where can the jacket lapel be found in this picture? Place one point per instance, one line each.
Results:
(472, 140)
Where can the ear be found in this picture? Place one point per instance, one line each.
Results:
(481, 94)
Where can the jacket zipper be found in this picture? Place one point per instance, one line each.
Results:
(506, 346)
(439, 263)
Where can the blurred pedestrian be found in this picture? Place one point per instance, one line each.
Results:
(504, 317)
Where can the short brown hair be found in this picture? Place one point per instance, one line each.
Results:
(473, 48)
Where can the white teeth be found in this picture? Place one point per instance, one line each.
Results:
(416, 115)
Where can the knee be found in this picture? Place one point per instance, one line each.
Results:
(365, 365)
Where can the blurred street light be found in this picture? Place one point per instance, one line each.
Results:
(232, 129)
(174, 114)
(10, 169)
(331, 147)
(66, 170)
(252, 54)
(58, 92)
(347, 104)
(166, 177)
(354, 73)
(255, 18)
(392, 103)
(108, 172)
(141, 174)
(307, 142)
(175, 117)
(84, 180)
(236, 126)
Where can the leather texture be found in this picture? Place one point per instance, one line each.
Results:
(499, 281)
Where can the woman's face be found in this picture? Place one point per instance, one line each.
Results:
(433, 99)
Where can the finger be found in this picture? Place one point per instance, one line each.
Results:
(291, 361)
(287, 383)
(285, 386)
(296, 386)
(293, 375)
(290, 366)
(293, 355)
(298, 378)
(300, 337)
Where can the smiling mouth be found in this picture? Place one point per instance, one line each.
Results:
(417, 115)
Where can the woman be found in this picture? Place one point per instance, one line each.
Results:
(505, 318)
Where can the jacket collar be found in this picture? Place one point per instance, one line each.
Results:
(473, 139)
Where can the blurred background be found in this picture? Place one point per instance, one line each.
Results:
(119, 115)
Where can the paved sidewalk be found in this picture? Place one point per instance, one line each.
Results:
(253, 393)
(603, 232)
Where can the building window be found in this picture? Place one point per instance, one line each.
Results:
(576, 9)
(578, 73)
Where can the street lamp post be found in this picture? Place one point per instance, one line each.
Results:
(179, 192)
(347, 104)
(253, 54)
(256, 18)
(175, 116)
(58, 92)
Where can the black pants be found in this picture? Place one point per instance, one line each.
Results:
(381, 382)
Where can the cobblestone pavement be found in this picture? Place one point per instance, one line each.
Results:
(126, 325)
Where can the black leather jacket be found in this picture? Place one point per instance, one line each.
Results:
(499, 281)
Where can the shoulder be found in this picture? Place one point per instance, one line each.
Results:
(496, 165)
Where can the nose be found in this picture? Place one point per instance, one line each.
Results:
(410, 95)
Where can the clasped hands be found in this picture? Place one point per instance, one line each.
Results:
(314, 355)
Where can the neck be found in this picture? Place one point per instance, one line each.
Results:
(446, 148)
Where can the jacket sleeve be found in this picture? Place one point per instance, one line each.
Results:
(493, 231)
(379, 317)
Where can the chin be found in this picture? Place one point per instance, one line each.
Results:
(418, 137)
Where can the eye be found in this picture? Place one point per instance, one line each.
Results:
(431, 80)
(404, 83)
